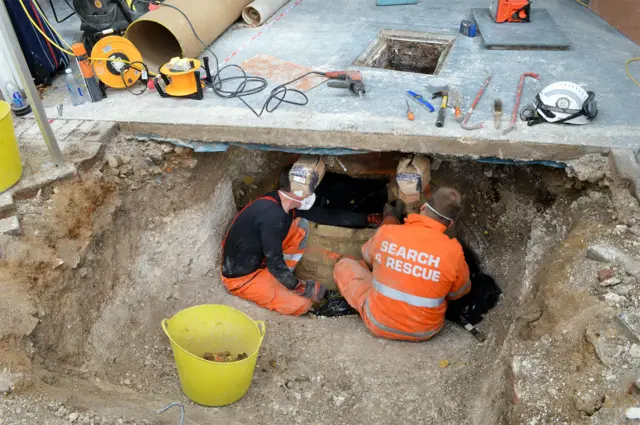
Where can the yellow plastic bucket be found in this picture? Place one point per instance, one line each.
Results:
(214, 328)
(10, 165)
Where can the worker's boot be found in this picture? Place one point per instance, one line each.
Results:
(334, 305)
(310, 289)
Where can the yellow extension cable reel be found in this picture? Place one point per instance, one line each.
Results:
(181, 78)
(110, 71)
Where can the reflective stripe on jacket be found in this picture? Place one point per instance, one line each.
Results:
(416, 268)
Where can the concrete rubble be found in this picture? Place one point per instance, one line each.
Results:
(609, 254)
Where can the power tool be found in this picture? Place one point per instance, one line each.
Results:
(511, 10)
(351, 80)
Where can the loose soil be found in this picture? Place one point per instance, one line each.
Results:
(104, 260)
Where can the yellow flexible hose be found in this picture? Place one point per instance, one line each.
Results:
(49, 24)
(26, 12)
(35, 25)
(626, 67)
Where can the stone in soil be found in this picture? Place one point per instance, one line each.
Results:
(112, 161)
(610, 254)
(605, 274)
(611, 281)
(588, 401)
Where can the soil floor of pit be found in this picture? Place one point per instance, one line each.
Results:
(104, 260)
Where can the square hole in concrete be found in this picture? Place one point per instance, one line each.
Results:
(407, 51)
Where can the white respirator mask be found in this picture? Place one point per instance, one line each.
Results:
(308, 202)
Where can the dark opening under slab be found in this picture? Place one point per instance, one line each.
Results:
(407, 51)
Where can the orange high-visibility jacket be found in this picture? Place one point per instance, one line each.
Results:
(416, 267)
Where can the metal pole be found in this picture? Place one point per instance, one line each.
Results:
(7, 31)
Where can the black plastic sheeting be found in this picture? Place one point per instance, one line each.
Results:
(346, 201)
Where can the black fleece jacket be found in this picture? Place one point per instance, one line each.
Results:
(255, 239)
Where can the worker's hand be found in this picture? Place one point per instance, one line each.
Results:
(310, 289)
(393, 209)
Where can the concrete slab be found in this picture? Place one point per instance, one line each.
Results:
(315, 36)
(541, 33)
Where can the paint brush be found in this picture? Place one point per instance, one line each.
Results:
(497, 112)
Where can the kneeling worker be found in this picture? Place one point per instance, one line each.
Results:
(263, 247)
(416, 268)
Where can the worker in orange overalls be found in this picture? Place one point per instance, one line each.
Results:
(416, 268)
(262, 248)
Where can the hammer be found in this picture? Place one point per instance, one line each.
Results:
(444, 94)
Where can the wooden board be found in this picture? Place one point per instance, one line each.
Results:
(624, 15)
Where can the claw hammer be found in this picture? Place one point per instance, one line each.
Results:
(444, 94)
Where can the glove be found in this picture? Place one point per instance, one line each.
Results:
(394, 209)
(374, 220)
(310, 289)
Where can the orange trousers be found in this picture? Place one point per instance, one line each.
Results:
(354, 281)
(264, 289)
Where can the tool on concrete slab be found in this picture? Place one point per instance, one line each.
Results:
(480, 125)
(562, 103)
(93, 87)
(510, 10)
(181, 77)
(395, 2)
(442, 113)
(351, 80)
(437, 85)
(421, 101)
(468, 28)
(497, 112)
(516, 106)
(410, 115)
(456, 98)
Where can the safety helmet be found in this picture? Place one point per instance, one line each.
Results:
(562, 102)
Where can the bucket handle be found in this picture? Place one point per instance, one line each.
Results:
(164, 327)
(261, 327)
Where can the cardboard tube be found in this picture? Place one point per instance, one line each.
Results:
(164, 33)
(260, 10)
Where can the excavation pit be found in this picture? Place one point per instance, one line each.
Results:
(151, 248)
(407, 51)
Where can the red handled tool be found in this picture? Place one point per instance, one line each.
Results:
(351, 80)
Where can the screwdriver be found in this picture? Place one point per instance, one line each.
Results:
(409, 113)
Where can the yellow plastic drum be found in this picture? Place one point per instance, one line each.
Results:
(10, 165)
(213, 329)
